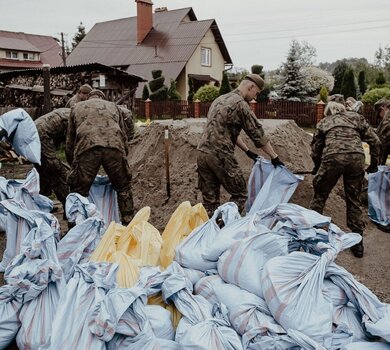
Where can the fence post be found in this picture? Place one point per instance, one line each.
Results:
(253, 105)
(148, 110)
(197, 108)
(320, 107)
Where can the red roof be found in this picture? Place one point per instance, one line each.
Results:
(47, 46)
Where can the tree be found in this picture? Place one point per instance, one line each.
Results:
(258, 69)
(338, 74)
(79, 35)
(145, 93)
(316, 78)
(348, 86)
(159, 91)
(173, 94)
(207, 93)
(225, 86)
(324, 94)
(306, 53)
(191, 89)
(293, 84)
(362, 82)
(380, 80)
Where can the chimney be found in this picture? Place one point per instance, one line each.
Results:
(144, 19)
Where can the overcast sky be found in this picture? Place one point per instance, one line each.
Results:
(255, 31)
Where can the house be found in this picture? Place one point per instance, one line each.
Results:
(26, 51)
(172, 41)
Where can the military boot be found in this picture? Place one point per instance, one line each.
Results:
(358, 249)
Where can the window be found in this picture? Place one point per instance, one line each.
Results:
(205, 56)
(28, 56)
(11, 54)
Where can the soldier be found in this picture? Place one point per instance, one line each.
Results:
(53, 173)
(382, 109)
(228, 115)
(337, 151)
(97, 136)
(81, 95)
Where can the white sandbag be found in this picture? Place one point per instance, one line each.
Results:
(88, 286)
(215, 333)
(23, 134)
(348, 317)
(272, 185)
(79, 208)
(207, 286)
(378, 196)
(365, 345)
(189, 252)
(193, 275)
(161, 321)
(20, 221)
(243, 263)
(105, 198)
(9, 315)
(37, 264)
(236, 231)
(292, 287)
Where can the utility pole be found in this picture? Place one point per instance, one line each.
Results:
(63, 55)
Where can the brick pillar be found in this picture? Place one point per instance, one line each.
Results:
(197, 109)
(148, 110)
(320, 107)
(253, 105)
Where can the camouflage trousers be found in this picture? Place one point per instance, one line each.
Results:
(85, 167)
(351, 167)
(215, 171)
(53, 173)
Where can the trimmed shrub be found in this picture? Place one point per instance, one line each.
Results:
(156, 84)
(156, 73)
(173, 94)
(258, 69)
(191, 90)
(324, 94)
(159, 92)
(380, 79)
(348, 86)
(225, 86)
(145, 93)
(374, 95)
(362, 82)
(206, 93)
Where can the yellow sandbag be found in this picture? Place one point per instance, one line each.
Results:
(180, 225)
(128, 271)
(107, 245)
(175, 313)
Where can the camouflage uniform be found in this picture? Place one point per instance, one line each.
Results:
(72, 101)
(337, 148)
(217, 166)
(96, 136)
(53, 172)
(383, 132)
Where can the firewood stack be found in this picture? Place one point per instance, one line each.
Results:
(7, 154)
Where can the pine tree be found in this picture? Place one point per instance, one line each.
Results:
(293, 85)
(79, 35)
(225, 85)
(145, 92)
(338, 74)
(362, 82)
(348, 86)
(191, 90)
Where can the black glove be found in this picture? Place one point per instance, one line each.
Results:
(315, 169)
(252, 155)
(3, 133)
(372, 168)
(276, 161)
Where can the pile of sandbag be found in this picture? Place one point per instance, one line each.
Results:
(267, 280)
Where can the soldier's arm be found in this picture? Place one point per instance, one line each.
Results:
(70, 138)
(317, 146)
(253, 127)
(368, 135)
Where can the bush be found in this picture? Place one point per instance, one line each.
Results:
(173, 94)
(191, 91)
(156, 73)
(225, 86)
(378, 86)
(324, 94)
(380, 80)
(374, 95)
(206, 93)
(145, 93)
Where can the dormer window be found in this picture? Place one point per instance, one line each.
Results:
(11, 55)
(205, 56)
(28, 56)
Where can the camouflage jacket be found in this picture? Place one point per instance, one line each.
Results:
(341, 134)
(53, 125)
(128, 122)
(92, 123)
(72, 101)
(228, 115)
(383, 132)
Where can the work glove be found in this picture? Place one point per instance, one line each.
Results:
(315, 169)
(372, 168)
(252, 155)
(3, 133)
(276, 162)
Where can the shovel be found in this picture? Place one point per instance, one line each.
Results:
(166, 156)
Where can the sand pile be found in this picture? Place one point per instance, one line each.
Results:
(148, 165)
